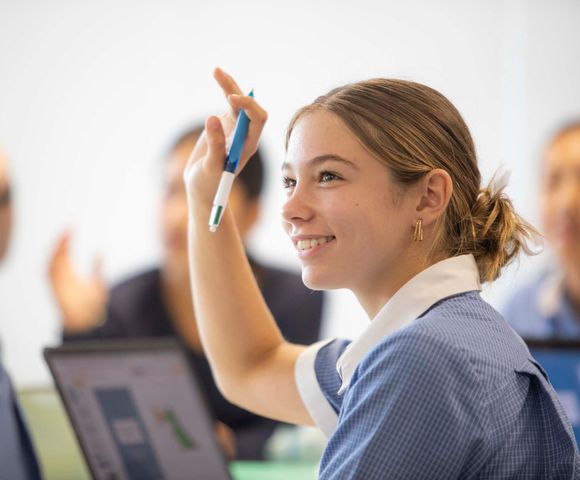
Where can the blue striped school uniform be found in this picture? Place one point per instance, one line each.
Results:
(438, 386)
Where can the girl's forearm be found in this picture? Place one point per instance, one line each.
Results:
(236, 327)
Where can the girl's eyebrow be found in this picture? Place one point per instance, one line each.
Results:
(321, 159)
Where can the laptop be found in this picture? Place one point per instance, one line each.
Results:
(137, 410)
(561, 361)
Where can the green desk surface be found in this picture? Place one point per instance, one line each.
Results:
(61, 458)
(273, 471)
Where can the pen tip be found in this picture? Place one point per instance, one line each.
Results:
(213, 228)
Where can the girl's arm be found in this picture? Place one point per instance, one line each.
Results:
(252, 364)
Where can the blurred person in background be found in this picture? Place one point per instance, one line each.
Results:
(17, 455)
(158, 302)
(549, 308)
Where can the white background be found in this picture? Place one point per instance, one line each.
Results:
(92, 92)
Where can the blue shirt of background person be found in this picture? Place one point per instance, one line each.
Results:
(384, 198)
(550, 306)
(17, 456)
(544, 310)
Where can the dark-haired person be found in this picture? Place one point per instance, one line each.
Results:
(550, 306)
(158, 302)
(383, 198)
(17, 456)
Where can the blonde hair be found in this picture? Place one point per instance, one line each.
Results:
(414, 129)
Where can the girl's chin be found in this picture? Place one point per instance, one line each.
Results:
(317, 280)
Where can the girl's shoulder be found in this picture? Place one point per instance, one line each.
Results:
(461, 334)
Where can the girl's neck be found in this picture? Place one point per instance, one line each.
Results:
(379, 291)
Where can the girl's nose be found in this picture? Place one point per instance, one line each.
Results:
(297, 208)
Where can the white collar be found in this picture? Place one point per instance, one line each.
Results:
(448, 277)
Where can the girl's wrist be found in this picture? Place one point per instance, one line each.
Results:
(198, 207)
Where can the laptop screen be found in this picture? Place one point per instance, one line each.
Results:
(137, 411)
(561, 361)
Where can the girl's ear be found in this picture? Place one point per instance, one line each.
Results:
(437, 188)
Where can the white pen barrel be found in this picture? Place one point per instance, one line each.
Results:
(223, 191)
(221, 199)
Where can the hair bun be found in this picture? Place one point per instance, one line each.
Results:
(499, 232)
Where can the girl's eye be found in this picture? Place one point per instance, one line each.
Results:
(325, 177)
(288, 182)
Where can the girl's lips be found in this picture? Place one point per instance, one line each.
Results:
(310, 242)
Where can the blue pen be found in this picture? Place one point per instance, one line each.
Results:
(223, 192)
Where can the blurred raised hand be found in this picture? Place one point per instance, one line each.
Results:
(82, 300)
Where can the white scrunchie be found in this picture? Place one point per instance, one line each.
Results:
(499, 181)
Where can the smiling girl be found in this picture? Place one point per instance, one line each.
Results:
(383, 198)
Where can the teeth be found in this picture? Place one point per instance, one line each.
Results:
(312, 242)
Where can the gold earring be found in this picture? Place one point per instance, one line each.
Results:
(418, 235)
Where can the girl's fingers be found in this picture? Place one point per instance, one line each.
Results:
(211, 146)
(200, 146)
(229, 87)
(257, 116)
(253, 110)
(216, 143)
(226, 82)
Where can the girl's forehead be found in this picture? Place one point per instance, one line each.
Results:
(319, 124)
(318, 134)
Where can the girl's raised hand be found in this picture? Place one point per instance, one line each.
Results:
(206, 163)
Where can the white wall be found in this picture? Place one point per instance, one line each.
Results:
(91, 92)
